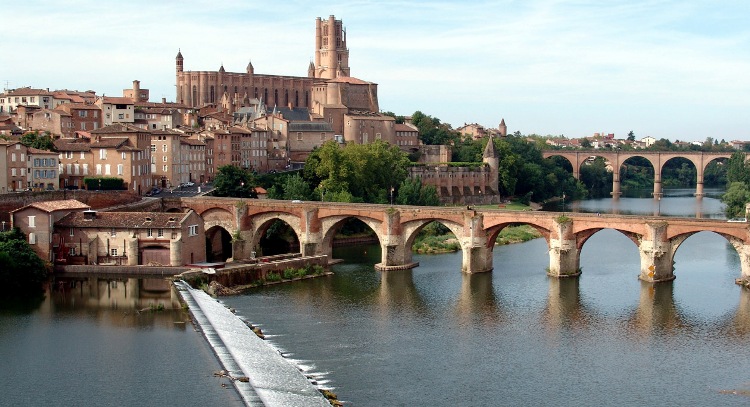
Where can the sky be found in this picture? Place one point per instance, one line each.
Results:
(678, 70)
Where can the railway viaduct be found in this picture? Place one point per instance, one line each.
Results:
(577, 158)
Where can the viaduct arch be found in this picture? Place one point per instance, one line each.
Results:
(657, 159)
(315, 223)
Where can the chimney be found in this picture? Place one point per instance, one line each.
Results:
(164, 101)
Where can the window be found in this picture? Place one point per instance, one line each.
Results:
(299, 136)
(102, 154)
(113, 232)
(160, 233)
(32, 238)
(113, 252)
(164, 158)
(153, 148)
(121, 116)
(124, 155)
(322, 136)
(164, 148)
(72, 251)
(72, 232)
(119, 169)
(192, 230)
(82, 113)
(32, 221)
(149, 232)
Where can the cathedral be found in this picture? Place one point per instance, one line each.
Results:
(325, 90)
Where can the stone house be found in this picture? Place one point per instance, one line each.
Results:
(36, 221)
(131, 238)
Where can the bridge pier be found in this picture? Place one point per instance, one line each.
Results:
(477, 253)
(615, 185)
(564, 257)
(394, 255)
(657, 256)
(743, 250)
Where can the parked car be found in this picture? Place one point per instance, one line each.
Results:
(737, 220)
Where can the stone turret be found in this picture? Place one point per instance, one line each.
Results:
(179, 61)
(502, 128)
(491, 158)
(250, 68)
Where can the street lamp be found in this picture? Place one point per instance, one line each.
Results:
(391, 195)
(658, 199)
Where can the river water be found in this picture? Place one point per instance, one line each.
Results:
(106, 342)
(424, 337)
(435, 337)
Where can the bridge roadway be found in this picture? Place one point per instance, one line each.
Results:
(577, 158)
(316, 224)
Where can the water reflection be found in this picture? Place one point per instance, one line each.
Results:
(399, 294)
(656, 311)
(564, 308)
(119, 302)
(476, 302)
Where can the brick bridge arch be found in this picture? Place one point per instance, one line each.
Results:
(315, 223)
(332, 224)
(658, 159)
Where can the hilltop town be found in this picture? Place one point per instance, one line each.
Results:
(259, 122)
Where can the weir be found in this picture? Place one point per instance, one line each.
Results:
(273, 380)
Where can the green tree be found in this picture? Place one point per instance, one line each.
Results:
(738, 169)
(235, 182)
(360, 172)
(631, 136)
(21, 270)
(40, 141)
(295, 187)
(413, 192)
(737, 195)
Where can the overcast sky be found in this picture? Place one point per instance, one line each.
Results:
(673, 69)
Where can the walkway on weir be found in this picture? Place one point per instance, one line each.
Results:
(274, 381)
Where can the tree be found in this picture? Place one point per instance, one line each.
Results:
(235, 182)
(738, 169)
(295, 187)
(586, 143)
(735, 199)
(21, 270)
(631, 136)
(413, 192)
(360, 172)
(40, 141)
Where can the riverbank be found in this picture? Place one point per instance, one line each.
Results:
(448, 243)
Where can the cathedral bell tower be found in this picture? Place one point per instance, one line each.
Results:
(331, 53)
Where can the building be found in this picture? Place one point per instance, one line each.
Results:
(74, 155)
(407, 135)
(41, 98)
(123, 151)
(13, 166)
(83, 117)
(42, 174)
(328, 91)
(464, 185)
(36, 221)
(131, 238)
(116, 110)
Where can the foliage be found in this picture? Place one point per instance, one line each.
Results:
(355, 172)
(596, 178)
(432, 132)
(235, 182)
(41, 141)
(295, 187)
(399, 119)
(737, 195)
(104, 183)
(738, 169)
(413, 192)
(21, 270)
(517, 234)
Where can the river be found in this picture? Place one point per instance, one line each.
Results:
(430, 336)
(435, 337)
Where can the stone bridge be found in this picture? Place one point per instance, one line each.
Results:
(577, 158)
(316, 224)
